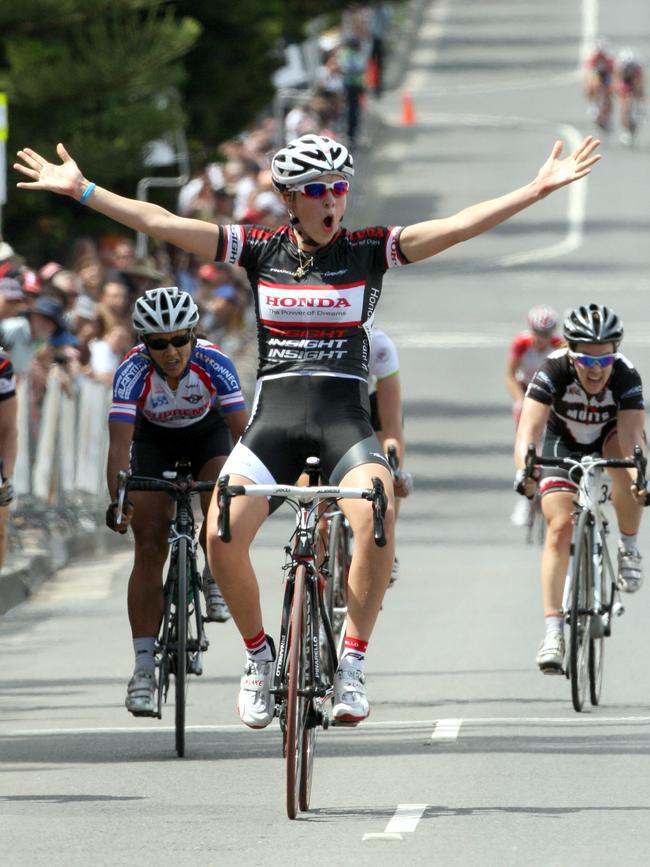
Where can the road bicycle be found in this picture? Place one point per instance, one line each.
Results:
(591, 597)
(181, 642)
(305, 664)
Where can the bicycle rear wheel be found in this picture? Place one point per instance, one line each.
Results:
(581, 599)
(296, 703)
(337, 587)
(180, 673)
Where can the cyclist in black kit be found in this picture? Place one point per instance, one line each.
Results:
(316, 287)
(589, 398)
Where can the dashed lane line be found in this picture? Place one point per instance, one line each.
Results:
(446, 730)
(404, 821)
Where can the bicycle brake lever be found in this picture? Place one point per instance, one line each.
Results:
(122, 480)
(223, 501)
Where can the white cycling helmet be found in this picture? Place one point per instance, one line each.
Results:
(307, 158)
(164, 310)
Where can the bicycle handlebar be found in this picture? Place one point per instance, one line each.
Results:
(376, 495)
(639, 461)
(173, 487)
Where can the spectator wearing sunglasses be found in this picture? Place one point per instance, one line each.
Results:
(589, 399)
(174, 397)
(316, 287)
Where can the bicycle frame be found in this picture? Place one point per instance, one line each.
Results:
(588, 499)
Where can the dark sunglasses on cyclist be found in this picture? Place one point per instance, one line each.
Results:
(318, 189)
(160, 343)
(592, 360)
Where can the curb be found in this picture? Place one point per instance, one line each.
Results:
(26, 570)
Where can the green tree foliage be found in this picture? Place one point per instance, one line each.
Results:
(108, 76)
(99, 75)
(230, 67)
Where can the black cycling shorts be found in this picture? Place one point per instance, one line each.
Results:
(156, 448)
(554, 479)
(296, 417)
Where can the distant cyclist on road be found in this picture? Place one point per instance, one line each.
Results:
(630, 90)
(527, 352)
(316, 287)
(590, 400)
(598, 83)
(174, 397)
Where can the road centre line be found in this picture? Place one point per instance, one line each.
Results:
(468, 723)
(446, 730)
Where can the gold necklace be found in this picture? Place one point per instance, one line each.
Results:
(304, 265)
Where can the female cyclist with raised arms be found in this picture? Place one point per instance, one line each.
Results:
(316, 288)
(174, 396)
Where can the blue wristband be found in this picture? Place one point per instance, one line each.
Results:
(87, 193)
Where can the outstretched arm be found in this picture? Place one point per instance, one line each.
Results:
(422, 240)
(66, 179)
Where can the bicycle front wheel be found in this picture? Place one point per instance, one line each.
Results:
(597, 632)
(581, 600)
(296, 703)
(337, 586)
(180, 668)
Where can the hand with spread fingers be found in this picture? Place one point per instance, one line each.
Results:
(65, 178)
(557, 172)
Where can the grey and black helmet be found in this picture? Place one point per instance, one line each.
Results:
(164, 310)
(593, 324)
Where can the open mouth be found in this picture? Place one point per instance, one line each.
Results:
(328, 222)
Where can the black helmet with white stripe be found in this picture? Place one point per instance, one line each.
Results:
(307, 158)
(164, 310)
(593, 324)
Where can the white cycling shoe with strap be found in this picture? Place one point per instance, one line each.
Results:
(141, 693)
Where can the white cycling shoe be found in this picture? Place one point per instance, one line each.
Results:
(350, 700)
(255, 704)
(141, 693)
(630, 571)
(550, 656)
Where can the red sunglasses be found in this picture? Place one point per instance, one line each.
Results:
(318, 189)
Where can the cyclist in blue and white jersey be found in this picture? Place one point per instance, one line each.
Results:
(174, 396)
(316, 287)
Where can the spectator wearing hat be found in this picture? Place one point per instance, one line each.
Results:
(12, 297)
(28, 337)
(84, 323)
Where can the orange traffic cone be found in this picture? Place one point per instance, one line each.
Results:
(408, 112)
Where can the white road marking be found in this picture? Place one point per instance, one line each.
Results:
(446, 730)
(589, 26)
(238, 728)
(431, 28)
(406, 819)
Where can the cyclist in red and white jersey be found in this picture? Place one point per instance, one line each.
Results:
(598, 83)
(527, 352)
(630, 90)
(174, 396)
(316, 287)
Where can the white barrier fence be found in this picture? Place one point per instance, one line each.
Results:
(62, 439)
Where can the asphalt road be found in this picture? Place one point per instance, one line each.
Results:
(470, 756)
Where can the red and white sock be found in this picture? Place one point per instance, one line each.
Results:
(258, 648)
(354, 653)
